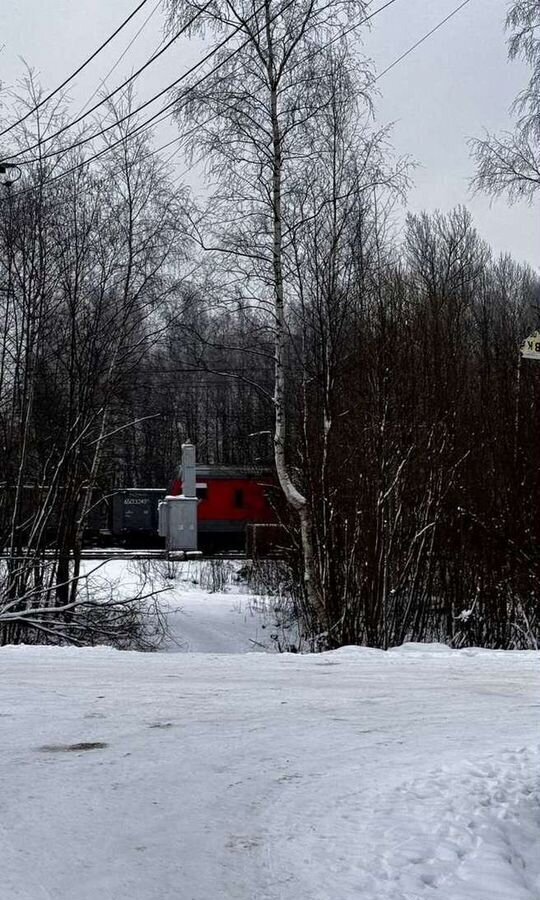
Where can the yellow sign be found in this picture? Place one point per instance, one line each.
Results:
(530, 348)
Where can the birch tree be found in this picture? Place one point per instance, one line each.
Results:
(256, 119)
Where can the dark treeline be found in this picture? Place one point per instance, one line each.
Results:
(87, 268)
(420, 445)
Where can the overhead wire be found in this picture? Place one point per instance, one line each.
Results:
(163, 114)
(425, 37)
(74, 74)
(379, 75)
(350, 29)
(160, 114)
(126, 50)
(109, 96)
(157, 96)
(212, 118)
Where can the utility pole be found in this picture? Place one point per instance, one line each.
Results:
(530, 349)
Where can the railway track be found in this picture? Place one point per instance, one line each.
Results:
(168, 556)
(102, 553)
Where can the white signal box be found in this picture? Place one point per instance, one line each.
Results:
(178, 515)
(178, 522)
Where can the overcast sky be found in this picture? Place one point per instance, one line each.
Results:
(451, 88)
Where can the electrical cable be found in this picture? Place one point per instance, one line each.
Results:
(109, 96)
(147, 103)
(388, 68)
(113, 68)
(155, 119)
(75, 73)
(163, 112)
(422, 39)
(146, 125)
(384, 71)
(349, 30)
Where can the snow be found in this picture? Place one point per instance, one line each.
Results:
(227, 621)
(218, 623)
(233, 775)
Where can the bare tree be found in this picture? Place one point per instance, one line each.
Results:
(87, 267)
(510, 163)
(256, 120)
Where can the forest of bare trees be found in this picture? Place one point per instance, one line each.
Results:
(295, 318)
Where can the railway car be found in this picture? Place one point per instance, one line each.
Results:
(34, 498)
(134, 515)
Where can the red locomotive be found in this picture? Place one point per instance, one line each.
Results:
(232, 500)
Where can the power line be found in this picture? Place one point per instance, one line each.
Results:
(422, 39)
(376, 78)
(75, 73)
(347, 31)
(150, 153)
(109, 96)
(163, 113)
(388, 68)
(147, 103)
(105, 150)
(104, 80)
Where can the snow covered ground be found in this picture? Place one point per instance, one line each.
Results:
(256, 776)
(202, 619)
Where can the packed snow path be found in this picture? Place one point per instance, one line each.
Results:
(354, 774)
